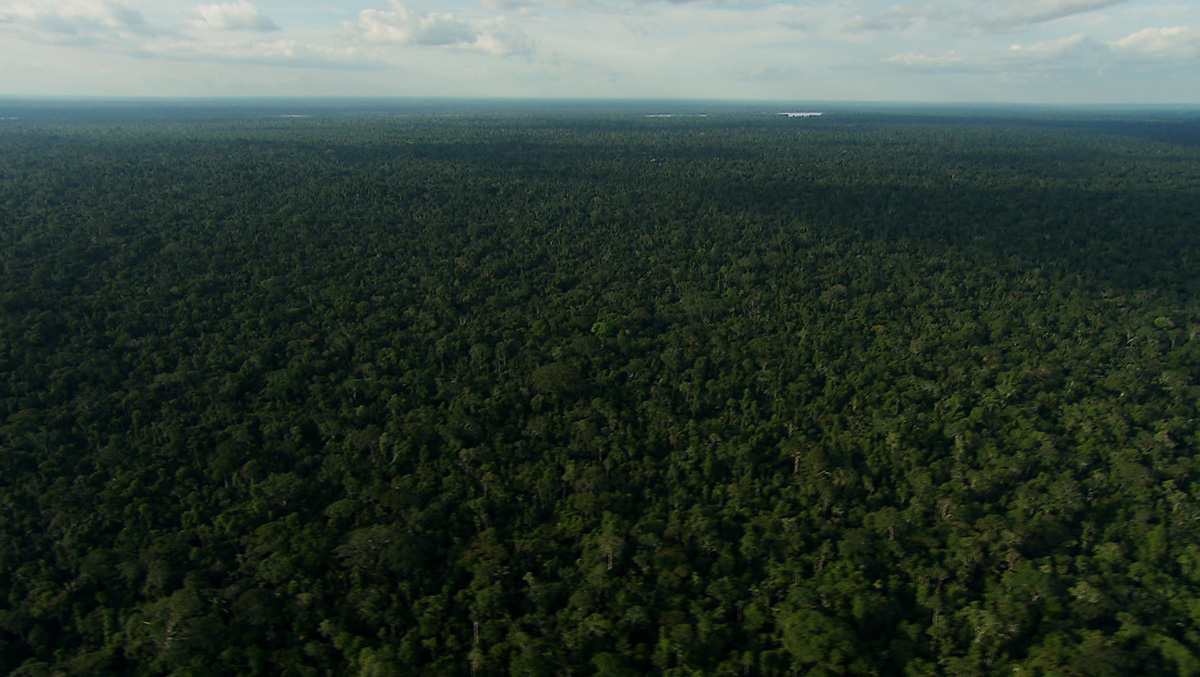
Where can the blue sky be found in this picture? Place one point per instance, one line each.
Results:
(1032, 51)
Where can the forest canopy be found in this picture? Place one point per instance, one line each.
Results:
(586, 392)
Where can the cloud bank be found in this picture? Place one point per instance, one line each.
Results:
(402, 26)
(1179, 42)
(74, 18)
(232, 16)
(1018, 50)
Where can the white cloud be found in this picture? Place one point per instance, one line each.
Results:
(917, 60)
(506, 4)
(232, 16)
(1072, 56)
(1173, 42)
(1047, 48)
(498, 39)
(402, 26)
(75, 19)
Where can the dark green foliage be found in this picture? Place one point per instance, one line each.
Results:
(593, 395)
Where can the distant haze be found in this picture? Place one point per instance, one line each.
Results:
(1033, 51)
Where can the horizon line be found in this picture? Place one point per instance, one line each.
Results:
(139, 98)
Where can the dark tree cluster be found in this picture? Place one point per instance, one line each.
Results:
(600, 395)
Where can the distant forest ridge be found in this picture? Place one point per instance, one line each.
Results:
(99, 109)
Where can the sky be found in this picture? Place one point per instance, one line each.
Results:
(1004, 51)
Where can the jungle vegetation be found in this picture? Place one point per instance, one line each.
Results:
(592, 393)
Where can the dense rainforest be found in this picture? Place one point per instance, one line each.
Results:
(595, 393)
